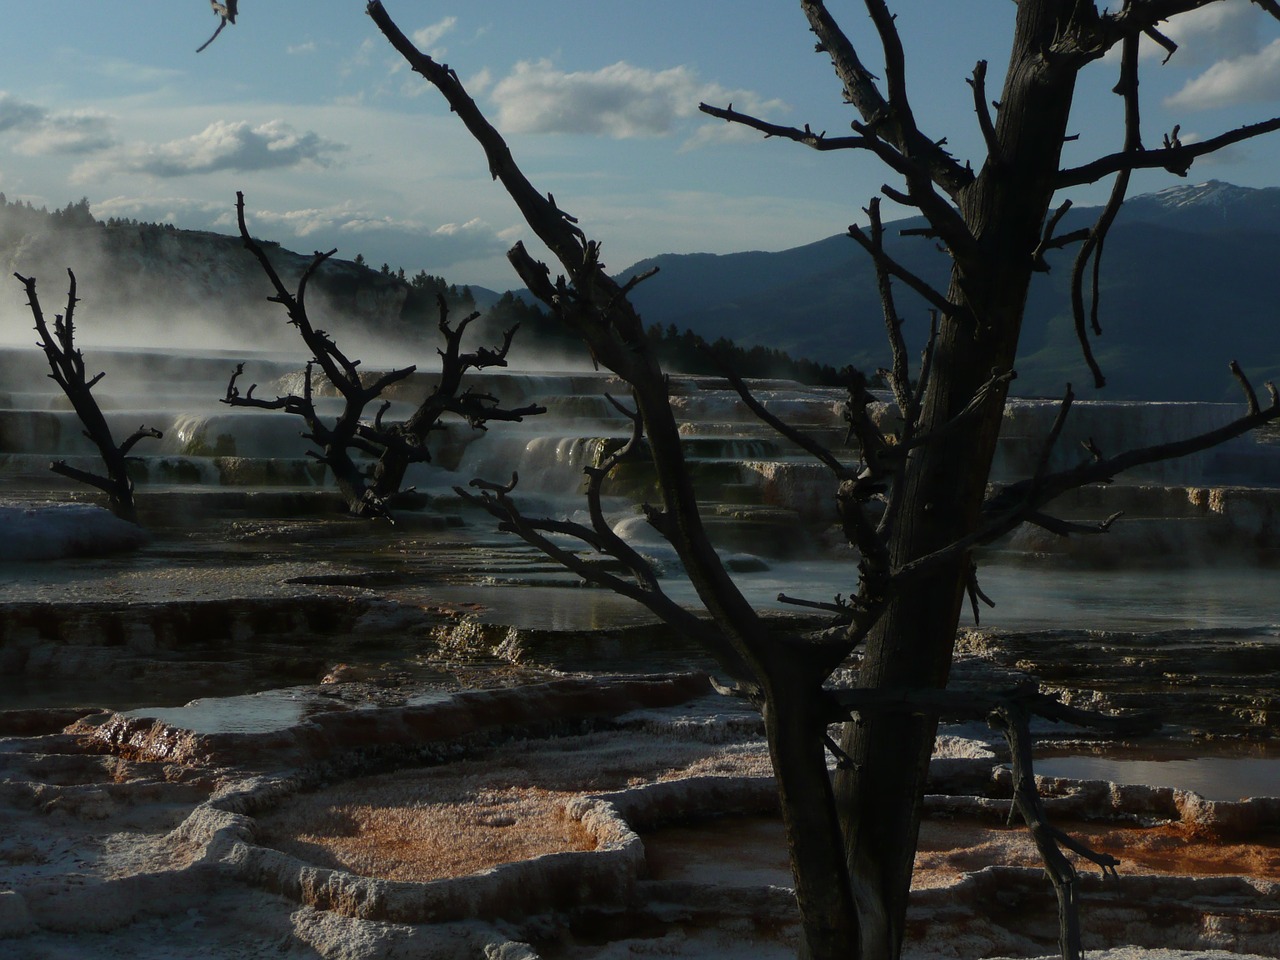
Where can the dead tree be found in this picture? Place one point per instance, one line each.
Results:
(67, 369)
(369, 458)
(913, 514)
(448, 397)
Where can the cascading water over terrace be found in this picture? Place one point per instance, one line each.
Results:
(254, 587)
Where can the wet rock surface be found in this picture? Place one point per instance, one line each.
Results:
(1204, 684)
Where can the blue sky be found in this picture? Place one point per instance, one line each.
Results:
(303, 106)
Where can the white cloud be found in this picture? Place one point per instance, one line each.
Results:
(620, 101)
(222, 145)
(472, 226)
(1219, 31)
(123, 71)
(362, 57)
(428, 37)
(308, 47)
(1251, 77)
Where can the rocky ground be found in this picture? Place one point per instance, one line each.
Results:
(567, 817)
(373, 767)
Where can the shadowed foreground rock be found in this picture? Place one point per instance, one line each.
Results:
(648, 804)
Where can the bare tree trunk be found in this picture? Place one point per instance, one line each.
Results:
(794, 726)
(880, 797)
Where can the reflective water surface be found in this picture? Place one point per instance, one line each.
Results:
(1214, 778)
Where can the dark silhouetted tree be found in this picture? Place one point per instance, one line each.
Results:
(367, 456)
(915, 504)
(66, 363)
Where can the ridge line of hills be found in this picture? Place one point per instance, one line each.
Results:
(1190, 281)
(153, 285)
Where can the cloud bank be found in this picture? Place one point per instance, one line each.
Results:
(45, 133)
(233, 146)
(1216, 32)
(1249, 78)
(18, 114)
(621, 101)
(238, 147)
(1229, 38)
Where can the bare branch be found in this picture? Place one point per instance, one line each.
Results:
(1092, 248)
(1176, 158)
(899, 372)
(1064, 528)
(227, 11)
(800, 439)
(1155, 35)
(975, 593)
(1055, 431)
(947, 224)
(805, 136)
(1048, 241)
(1251, 395)
(888, 119)
(841, 608)
(1014, 720)
(551, 224)
(979, 84)
(931, 296)
(1021, 502)
(1100, 469)
(142, 433)
(594, 308)
(495, 501)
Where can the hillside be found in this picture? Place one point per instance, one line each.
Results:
(1188, 284)
(151, 284)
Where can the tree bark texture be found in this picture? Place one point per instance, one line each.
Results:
(880, 798)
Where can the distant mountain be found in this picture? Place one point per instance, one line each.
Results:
(1190, 281)
(1208, 207)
